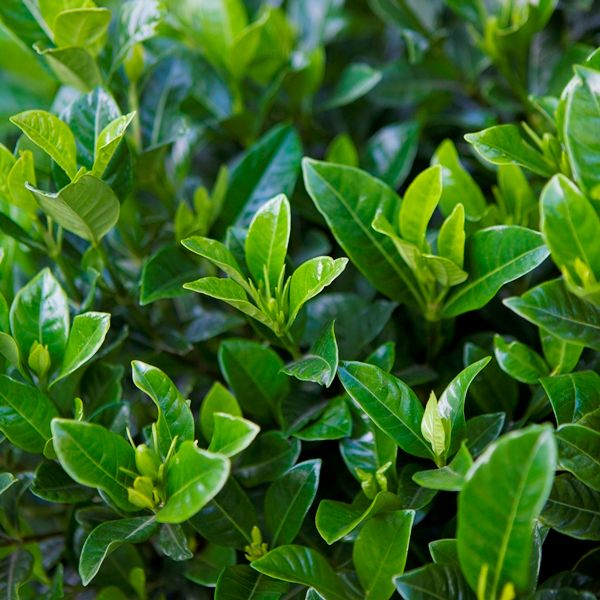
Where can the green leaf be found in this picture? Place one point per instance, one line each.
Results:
(25, 415)
(450, 478)
(107, 537)
(288, 500)
(95, 457)
(87, 207)
(175, 419)
(85, 338)
(566, 316)
(73, 66)
(572, 395)
(40, 313)
(503, 144)
(335, 520)
(483, 430)
(581, 120)
(519, 361)
(433, 428)
(418, 205)
(560, 355)
(349, 199)
(389, 402)
(573, 509)
(495, 256)
(230, 292)
(458, 187)
(444, 552)
(391, 151)
(231, 434)
(451, 238)
(579, 453)
(451, 405)
(305, 566)
(270, 455)
(218, 254)
(334, 423)
(52, 135)
(355, 81)
(173, 542)
(86, 27)
(252, 371)
(268, 168)
(217, 399)
(209, 563)
(228, 518)
(165, 273)
(51, 483)
(380, 550)
(309, 280)
(267, 241)
(433, 582)
(240, 582)
(15, 570)
(107, 142)
(320, 364)
(6, 480)
(342, 151)
(194, 477)
(505, 492)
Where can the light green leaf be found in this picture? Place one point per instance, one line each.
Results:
(299, 564)
(309, 280)
(418, 205)
(573, 509)
(495, 256)
(22, 172)
(450, 478)
(40, 313)
(432, 427)
(217, 399)
(73, 66)
(267, 241)
(107, 537)
(566, 316)
(288, 499)
(84, 27)
(85, 338)
(95, 457)
(52, 135)
(579, 453)
(87, 207)
(342, 151)
(25, 415)
(194, 477)
(107, 142)
(380, 550)
(451, 238)
(389, 402)
(519, 361)
(231, 434)
(504, 144)
(505, 492)
(175, 418)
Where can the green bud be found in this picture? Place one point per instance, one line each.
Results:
(39, 359)
(134, 63)
(257, 549)
(147, 461)
(142, 493)
(138, 499)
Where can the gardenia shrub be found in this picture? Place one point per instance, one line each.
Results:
(300, 299)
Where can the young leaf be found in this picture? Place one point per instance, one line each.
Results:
(107, 537)
(495, 256)
(503, 144)
(288, 499)
(305, 566)
(217, 399)
(107, 142)
(450, 478)
(420, 201)
(496, 529)
(87, 207)
(432, 427)
(85, 338)
(267, 241)
(25, 415)
(451, 239)
(380, 550)
(40, 313)
(564, 315)
(389, 402)
(175, 419)
(52, 135)
(579, 453)
(320, 364)
(231, 434)
(194, 477)
(95, 457)
(309, 280)
(519, 361)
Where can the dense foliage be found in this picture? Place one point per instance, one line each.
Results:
(300, 299)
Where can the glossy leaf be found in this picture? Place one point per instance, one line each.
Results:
(231, 434)
(240, 582)
(432, 582)
(107, 142)
(357, 80)
(519, 361)
(579, 453)
(194, 477)
(95, 457)
(450, 478)
(572, 395)
(217, 399)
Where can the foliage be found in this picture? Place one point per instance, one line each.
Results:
(299, 299)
